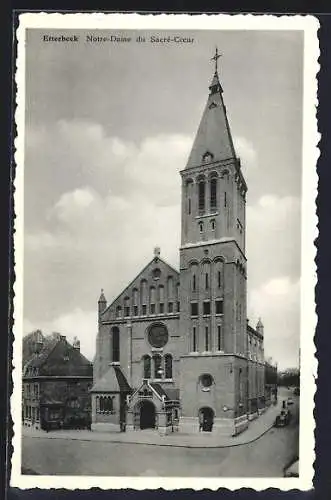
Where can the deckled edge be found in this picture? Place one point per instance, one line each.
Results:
(310, 25)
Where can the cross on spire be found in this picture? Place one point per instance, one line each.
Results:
(215, 58)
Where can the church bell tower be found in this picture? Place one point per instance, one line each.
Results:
(212, 254)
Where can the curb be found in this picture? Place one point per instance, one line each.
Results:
(164, 444)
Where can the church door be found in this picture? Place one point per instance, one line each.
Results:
(206, 419)
(147, 415)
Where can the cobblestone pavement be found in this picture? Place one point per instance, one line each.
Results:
(265, 457)
(150, 437)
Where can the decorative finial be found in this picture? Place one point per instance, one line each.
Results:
(215, 58)
(157, 251)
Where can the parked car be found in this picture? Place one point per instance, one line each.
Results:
(290, 401)
(292, 470)
(283, 418)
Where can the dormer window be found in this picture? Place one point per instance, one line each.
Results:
(207, 157)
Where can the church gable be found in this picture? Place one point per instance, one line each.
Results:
(156, 284)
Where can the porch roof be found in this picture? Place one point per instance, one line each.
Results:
(113, 380)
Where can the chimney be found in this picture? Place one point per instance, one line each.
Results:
(76, 344)
(39, 341)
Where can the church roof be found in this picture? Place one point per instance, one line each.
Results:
(159, 389)
(113, 380)
(156, 259)
(58, 357)
(213, 137)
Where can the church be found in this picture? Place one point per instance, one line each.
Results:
(174, 350)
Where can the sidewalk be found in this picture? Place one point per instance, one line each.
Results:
(255, 430)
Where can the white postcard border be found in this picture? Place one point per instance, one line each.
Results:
(309, 25)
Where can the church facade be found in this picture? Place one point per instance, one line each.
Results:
(174, 350)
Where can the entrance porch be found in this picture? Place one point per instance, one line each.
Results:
(149, 407)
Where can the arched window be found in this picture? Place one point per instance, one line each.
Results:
(206, 274)
(115, 344)
(147, 366)
(168, 365)
(218, 270)
(213, 192)
(135, 301)
(212, 224)
(152, 299)
(157, 362)
(143, 296)
(170, 287)
(118, 311)
(189, 185)
(108, 404)
(101, 404)
(220, 338)
(161, 299)
(206, 338)
(201, 227)
(135, 296)
(127, 307)
(194, 340)
(194, 275)
(201, 193)
(178, 296)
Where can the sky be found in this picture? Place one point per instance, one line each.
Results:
(108, 128)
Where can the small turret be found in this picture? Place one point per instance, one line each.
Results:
(102, 302)
(260, 327)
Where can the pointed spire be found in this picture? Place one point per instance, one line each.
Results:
(215, 85)
(213, 135)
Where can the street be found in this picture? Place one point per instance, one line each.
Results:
(266, 457)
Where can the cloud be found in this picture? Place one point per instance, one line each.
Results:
(86, 237)
(247, 153)
(273, 238)
(277, 302)
(96, 206)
